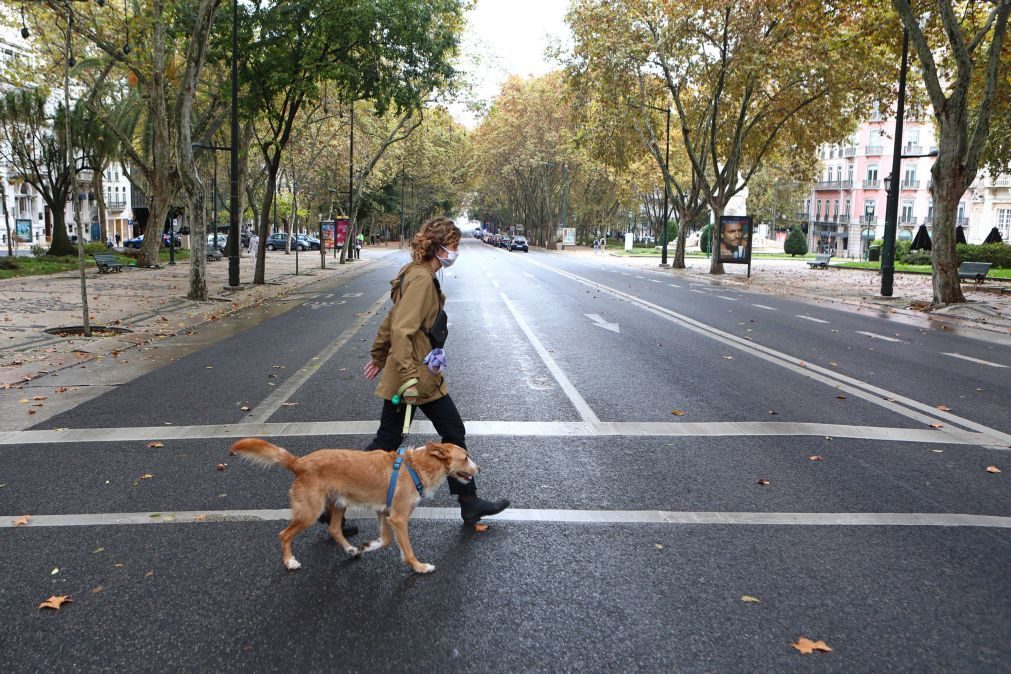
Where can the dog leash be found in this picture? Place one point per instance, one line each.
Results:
(400, 452)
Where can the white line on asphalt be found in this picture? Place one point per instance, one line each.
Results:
(762, 306)
(526, 273)
(653, 280)
(290, 386)
(715, 429)
(724, 297)
(494, 283)
(974, 360)
(877, 336)
(585, 413)
(541, 515)
(693, 290)
(673, 285)
(625, 273)
(810, 318)
(642, 277)
(900, 404)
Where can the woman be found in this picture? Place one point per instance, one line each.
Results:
(402, 348)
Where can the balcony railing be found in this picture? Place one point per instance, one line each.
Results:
(868, 219)
(115, 205)
(910, 184)
(834, 185)
(804, 217)
(1002, 181)
(849, 152)
(963, 222)
(912, 149)
(872, 184)
(907, 220)
(871, 150)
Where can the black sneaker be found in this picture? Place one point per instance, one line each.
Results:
(348, 529)
(473, 509)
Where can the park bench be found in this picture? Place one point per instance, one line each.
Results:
(106, 263)
(820, 261)
(976, 271)
(213, 254)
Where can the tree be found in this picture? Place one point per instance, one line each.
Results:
(959, 53)
(796, 242)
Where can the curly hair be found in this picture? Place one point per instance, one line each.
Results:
(440, 231)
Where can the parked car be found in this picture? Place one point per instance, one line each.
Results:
(276, 241)
(138, 241)
(222, 242)
(519, 243)
(305, 242)
(505, 242)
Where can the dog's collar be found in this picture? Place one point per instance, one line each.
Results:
(396, 472)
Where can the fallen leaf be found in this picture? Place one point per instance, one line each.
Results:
(937, 425)
(943, 408)
(678, 413)
(155, 444)
(840, 397)
(481, 527)
(208, 367)
(289, 404)
(992, 469)
(749, 598)
(97, 589)
(149, 574)
(244, 408)
(806, 646)
(222, 466)
(763, 481)
(97, 550)
(31, 411)
(56, 601)
(55, 571)
(22, 521)
(658, 546)
(815, 457)
(146, 476)
(119, 565)
(834, 364)
(728, 357)
(200, 518)
(773, 412)
(24, 400)
(39, 398)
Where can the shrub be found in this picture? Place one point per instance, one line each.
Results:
(796, 243)
(997, 254)
(705, 238)
(8, 263)
(919, 257)
(903, 248)
(39, 251)
(95, 247)
(672, 230)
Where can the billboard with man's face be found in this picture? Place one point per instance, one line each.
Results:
(735, 239)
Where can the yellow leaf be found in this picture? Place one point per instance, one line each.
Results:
(658, 546)
(806, 646)
(146, 476)
(749, 598)
(24, 400)
(97, 589)
(56, 601)
(678, 413)
(943, 408)
(54, 571)
(155, 444)
(22, 521)
(841, 397)
(815, 457)
(200, 518)
(481, 527)
(992, 469)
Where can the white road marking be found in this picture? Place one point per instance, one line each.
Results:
(642, 277)
(693, 290)
(876, 336)
(725, 297)
(625, 273)
(848, 519)
(494, 283)
(898, 403)
(811, 318)
(762, 306)
(351, 295)
(673, 285)
(653, 280)
(528, 274)
(72, 436)
(284, 391)
(599, 321)
(585, 413)
(974, 360)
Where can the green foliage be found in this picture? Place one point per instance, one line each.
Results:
(706, 238)
(38, 251)
(903, 248)
(8, 263)
(95, 247)
(796, 242)
(919, 257)
(672, 231)
(997, 254)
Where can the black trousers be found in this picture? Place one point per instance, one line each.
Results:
(448, 424)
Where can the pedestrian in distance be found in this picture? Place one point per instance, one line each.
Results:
(596, 246)
(254, 244)
(407, 353)
(119, 240)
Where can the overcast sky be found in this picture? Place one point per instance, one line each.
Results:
(506, 37)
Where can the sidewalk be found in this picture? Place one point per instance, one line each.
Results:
(986, 309)
(151, 303)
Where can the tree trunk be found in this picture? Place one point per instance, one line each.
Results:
(678, 261)
(949, 186)
(268, 199)
(7, 219)
(98, 182)
(60, 245)
(715, 266)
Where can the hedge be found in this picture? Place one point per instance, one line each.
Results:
(997, 254)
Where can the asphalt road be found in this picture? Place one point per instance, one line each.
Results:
(634, 533)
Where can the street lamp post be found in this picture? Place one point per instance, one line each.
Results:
(214, 190)
(233, 224)
(666, 191)
(892, 185)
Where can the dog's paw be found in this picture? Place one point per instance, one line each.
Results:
(424, 568)
(353, 551)
(373, 545)
(293, 564)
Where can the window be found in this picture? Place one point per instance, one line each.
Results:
(847, 208)
(849, 173)
(818, 212)
(912, 136)
(910, 175)
(907, 212)
(1004, 222)
(835, 210)
(872, 173)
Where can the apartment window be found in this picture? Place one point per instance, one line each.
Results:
(847, 208)
(910, 175)
(818, 212)
(912, 137)
(849, 173)
(930, 212)
(807, 205)
(1004, 222)
(872, 173)
(835, 210)
(907, 212)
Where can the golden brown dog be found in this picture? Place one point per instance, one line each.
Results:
(337, 478)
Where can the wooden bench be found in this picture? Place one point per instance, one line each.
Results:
(820, 261)
(976, 271)
(106, 263)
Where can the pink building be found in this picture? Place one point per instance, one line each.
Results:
(846, 208)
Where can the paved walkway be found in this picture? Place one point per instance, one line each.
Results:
(151, 303)
(987, 308)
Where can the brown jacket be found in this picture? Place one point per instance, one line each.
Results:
(402, 341)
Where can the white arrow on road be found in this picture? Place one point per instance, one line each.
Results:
(601, 323)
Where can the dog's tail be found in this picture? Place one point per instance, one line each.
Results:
(261, 451)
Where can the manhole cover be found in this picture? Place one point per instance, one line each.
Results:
(78, 331)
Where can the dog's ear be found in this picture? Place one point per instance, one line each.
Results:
(438, 451)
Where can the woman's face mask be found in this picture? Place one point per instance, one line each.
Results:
(450, 258)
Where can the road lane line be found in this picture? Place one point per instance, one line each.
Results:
(900, 404)
(811, 318)
(563, 381)
(653, 280)
(74, 436)
(284, 391)
(693, 290)
(570, 516)
(877, 336)
(725, 297)
(494, 283)
(974, 360)
(673, 285)
(762, 306)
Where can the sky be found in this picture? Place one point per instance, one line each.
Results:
(507, 37)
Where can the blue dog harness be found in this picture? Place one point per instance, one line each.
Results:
(396, 472)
